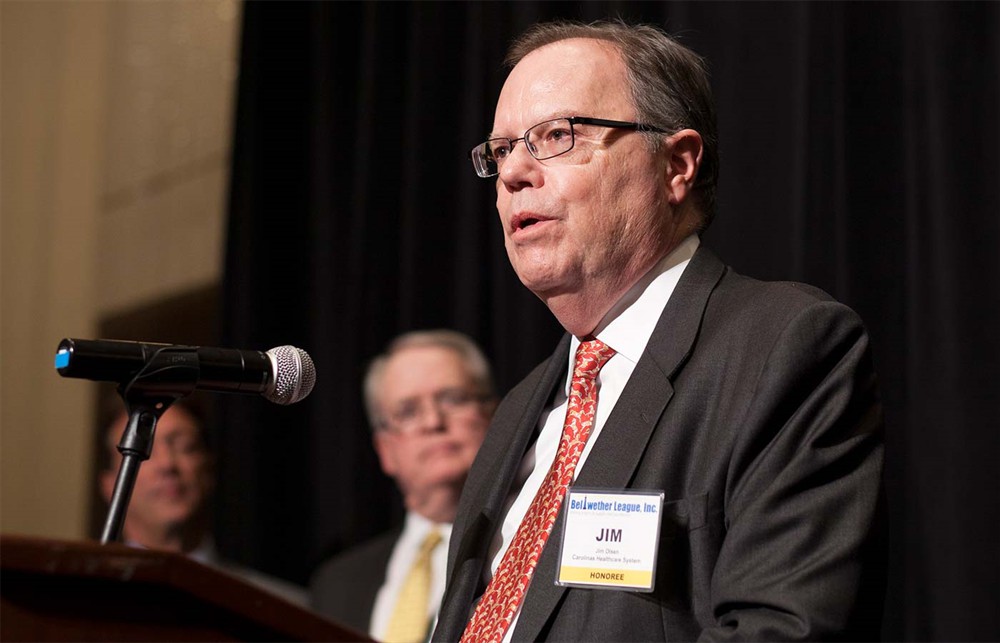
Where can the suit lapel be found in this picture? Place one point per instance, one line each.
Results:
(620, 446)
(500, 456)
(512, 445)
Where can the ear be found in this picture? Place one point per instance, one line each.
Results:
(684, 151)
(385, 448)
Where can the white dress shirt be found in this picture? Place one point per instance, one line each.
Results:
(405, 551)
(625, 328)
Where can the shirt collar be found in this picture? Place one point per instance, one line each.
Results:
(417, 527)
(629, 324)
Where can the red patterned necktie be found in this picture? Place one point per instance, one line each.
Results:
(502, 597)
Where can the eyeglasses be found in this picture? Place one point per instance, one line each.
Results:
(544, 141)
(450, 403)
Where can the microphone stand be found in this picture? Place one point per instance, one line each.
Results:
(147, 396)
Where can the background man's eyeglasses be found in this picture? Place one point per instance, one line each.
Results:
(408, 416)
(544, 141)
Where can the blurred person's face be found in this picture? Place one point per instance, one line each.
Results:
(434, 419)
(174, 485)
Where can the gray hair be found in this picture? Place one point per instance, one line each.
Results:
(668, 82)
(473, 359)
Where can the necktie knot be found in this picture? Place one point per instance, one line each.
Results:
(591, 356)
(431, 540)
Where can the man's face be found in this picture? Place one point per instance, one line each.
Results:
(174, 485)
(436, 419)
(593, 218)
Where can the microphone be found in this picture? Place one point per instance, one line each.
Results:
(283, 375)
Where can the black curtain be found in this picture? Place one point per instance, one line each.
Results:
(858, 153)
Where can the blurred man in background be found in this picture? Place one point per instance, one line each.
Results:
(170, 504)
(429, 399)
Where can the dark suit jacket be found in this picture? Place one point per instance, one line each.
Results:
(344, 587)
(754, 409)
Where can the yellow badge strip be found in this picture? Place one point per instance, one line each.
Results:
(598, 576)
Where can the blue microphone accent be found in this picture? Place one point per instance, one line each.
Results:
(62, 358)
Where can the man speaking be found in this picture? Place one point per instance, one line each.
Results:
(701, 456)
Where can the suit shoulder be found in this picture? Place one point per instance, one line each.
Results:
(365, 556)
(736, 284)
(741, 297)
(751, 318)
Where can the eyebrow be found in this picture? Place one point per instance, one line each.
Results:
(550, 117)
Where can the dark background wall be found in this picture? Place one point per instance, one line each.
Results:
(859, 153)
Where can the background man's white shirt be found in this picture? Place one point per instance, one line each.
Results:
(407, 546)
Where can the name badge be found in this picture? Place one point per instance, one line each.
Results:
(609, 539)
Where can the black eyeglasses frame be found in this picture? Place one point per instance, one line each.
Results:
(573, 120)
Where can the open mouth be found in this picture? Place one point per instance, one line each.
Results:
(525, 220)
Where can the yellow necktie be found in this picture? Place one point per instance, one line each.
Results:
(410, 617)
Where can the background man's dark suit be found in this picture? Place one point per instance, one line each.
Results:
(344, 587)
(754, 408)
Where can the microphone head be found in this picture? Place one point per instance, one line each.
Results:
(294, 375)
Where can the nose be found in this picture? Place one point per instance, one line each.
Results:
(431, 419)
(163, 458)
(521, 170)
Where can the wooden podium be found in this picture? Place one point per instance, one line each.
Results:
(53, 590)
